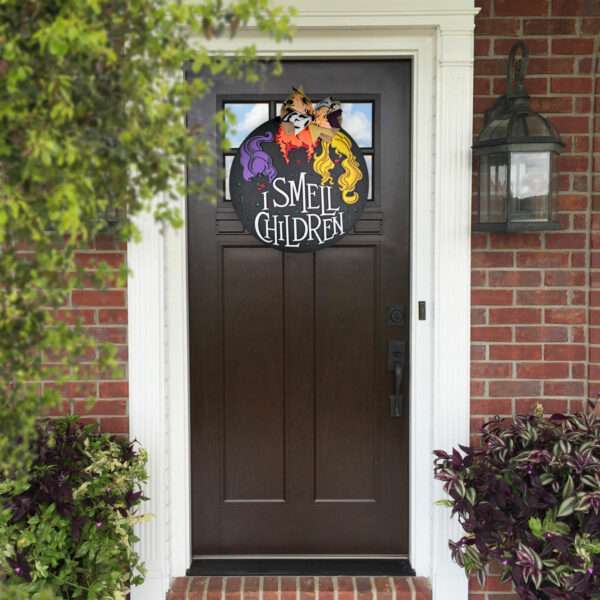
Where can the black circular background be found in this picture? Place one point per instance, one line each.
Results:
(247, 195)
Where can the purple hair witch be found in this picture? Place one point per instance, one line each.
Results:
(255, 161)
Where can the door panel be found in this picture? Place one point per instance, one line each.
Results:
(294, 450)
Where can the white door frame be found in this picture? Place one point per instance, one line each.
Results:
(439, 40)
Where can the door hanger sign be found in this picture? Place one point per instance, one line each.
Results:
(299, 182)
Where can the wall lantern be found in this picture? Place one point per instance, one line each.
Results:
(517, 151)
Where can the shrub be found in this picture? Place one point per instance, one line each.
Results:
(68, 527)
(529, 498)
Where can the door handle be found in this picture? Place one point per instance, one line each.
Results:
(396, 352)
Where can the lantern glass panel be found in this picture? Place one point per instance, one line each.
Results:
(555, 184)
(493, 169)
(530, 186)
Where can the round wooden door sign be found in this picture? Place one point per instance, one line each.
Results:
(299, 182)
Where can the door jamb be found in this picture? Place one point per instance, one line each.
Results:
(441, 48)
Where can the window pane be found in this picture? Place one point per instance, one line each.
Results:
(369, 161)
(357, 120)
(228, 163)
(248, 116)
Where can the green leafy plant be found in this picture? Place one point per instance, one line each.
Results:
(529, 499)
(68, 527)
(92, 125)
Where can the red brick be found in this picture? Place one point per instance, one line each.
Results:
(98, 298)
(536, 46)
(215, 587)
(556, 104)
(345, 588)
(491, 406)
(535, 85)
(115, 335)
(542, 259)
(518, 8)
(573, 164)
(114, 389)
(568, 124)
(514, 278)
(566, 8)
(542, 297)
(555, 241)
(564, 315)
(515, 352)
(549, 26)
(573, 46)
(77, 389)
(478, 240)
(491, 259)
(477, 388)
(564, 278)
(590, 26)
(515, 241)
(197, 587)
(572, 202)
(491, 297)
(482, 103)
(542, 334)
(552, 65)
(478, 278)
(497, 27)
(563, 388)
(478, 316)
(515, 388)
(490, 66)
(526, 406)
(100, 407)
(477, 352)
(488, 370)
(542, 370)
(482, 86)
(114, 424)
(112, 316)
(180, 584)
(482, 47)
(564, 352)
(515, 315)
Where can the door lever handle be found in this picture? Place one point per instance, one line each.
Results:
(396, 350)
(396, 398)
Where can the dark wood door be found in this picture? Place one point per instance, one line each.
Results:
(294, 449)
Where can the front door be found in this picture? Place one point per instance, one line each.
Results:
(296, 447)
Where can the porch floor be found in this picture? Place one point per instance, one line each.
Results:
(299, 588)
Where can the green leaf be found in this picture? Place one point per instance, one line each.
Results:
(567, 507)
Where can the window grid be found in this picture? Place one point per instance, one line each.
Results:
(274, 107)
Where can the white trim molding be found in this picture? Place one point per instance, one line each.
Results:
(437, 35)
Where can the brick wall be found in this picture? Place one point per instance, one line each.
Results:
(536, 311)
(104, 313)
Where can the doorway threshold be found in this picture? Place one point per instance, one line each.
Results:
(369, 567)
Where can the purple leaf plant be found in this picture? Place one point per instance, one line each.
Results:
(528, 499)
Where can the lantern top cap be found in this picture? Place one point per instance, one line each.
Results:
(511, 123)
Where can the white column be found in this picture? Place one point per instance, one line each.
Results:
(452, 281)
(147, 402)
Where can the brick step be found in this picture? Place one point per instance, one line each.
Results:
(300, 588)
